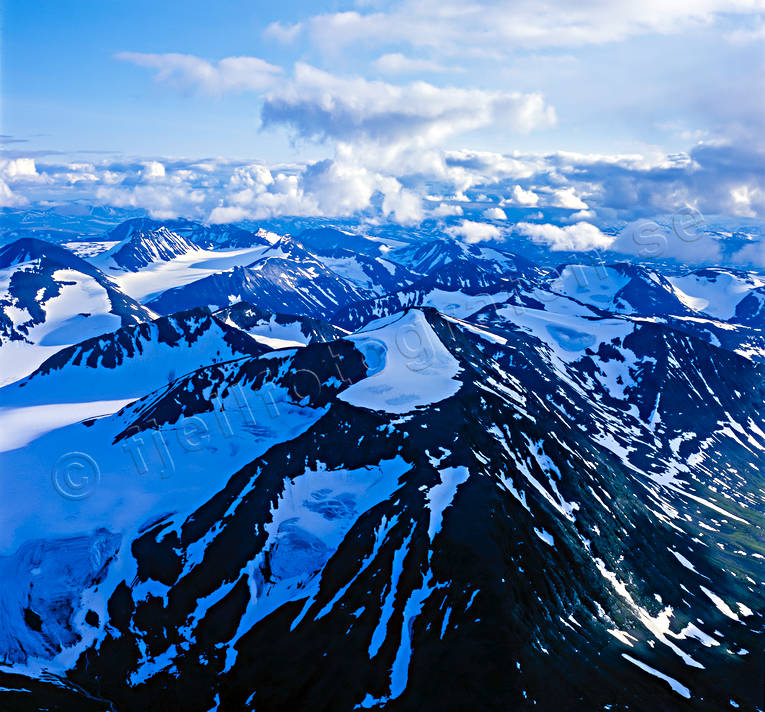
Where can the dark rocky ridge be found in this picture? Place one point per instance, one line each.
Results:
(522, 612)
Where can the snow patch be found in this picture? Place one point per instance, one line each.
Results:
(412, 367)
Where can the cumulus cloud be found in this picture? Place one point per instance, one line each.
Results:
(580, 215)
(745, 198)
(153, 169)
(490, 166)
(443, 210)
(525, 197)
(18, 167)
(710, 177)
(580, 237)
(164, 203)
(340, 187)
(471, 232)
(254, 192)
(567, 198)
(715, 179)
(218, 190)
(185, 71)
(319, 105)
(222, 215)
(328, 188)
(495, 214)
(403, 205)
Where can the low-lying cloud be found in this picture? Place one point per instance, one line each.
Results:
(635, 206)
(471, 231)
(579, 237)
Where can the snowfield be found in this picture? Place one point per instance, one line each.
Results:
(81, 310)
(716, 293)
(502, 467)
(408, 365)
(158, 277)
(21, 426)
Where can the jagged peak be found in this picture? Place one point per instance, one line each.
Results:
(144, 247)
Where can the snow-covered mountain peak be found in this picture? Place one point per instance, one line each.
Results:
(407, 365)
(239, 503)
(27, 249)
(205, 236)
(144, 247)
(50, 298)
(716, 292)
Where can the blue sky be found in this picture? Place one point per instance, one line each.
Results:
(620, 90)
(609, 106)
(63, 88)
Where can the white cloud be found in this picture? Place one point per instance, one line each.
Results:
(153, 169)
(751, 255)
(185, 71)
(443, 210)
(581, 236)
(9, 199)
(339, 188)
(472, 232)
(282, 32)
(18, 167)
(567, 198)
(495, 214)
(580, 215)
(710, 177)
(255, 176)
(525, 197)
(684, 241)
(397, 63)
(319, 105)
(745, 198)
(490, 27)
(330, 188)
(716, 179)
(404, 206)
(227, 214)
(161, 201)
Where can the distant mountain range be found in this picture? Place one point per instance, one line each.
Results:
(327, 471)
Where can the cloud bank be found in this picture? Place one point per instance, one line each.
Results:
(580, 237)
(713, 179)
